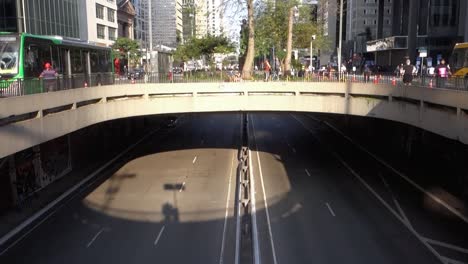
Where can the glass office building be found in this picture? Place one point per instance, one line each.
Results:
(45, 17)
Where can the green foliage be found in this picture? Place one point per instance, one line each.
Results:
(207, 46)
(272, 29)
(127, 48)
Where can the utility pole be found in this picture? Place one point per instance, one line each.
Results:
(150, 37)
(340, 38)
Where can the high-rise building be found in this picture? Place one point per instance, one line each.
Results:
(363, 22)
(209, 18)
(167, 22)
(99, 23)
(54, 17)
(434, 26)
(188, 19)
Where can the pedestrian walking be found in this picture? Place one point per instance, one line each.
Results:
(49, 75)
(367, 73)
(266, 69)
(442, 72)
(408, 72)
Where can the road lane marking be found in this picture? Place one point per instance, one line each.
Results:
(182, 187)
(194, 159)
(221, 254)
(453, 261)
(267, 211)
(159, 236)
(256, 247)
(330, 209)
(307, 172)
(376, 195)
(413, 183)
(446, 245)
(94, 238)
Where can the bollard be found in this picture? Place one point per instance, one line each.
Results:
(85, 84)
(430, 84)
(133, 81)
(393, 81)
(376, 80)
(354, 77)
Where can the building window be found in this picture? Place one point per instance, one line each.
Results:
(112, 33)
(388, 21)
(364, 21)
(375, 22)
(99, 11)
(365, 11)
(111, 1)
(110, 15)
(100, 31)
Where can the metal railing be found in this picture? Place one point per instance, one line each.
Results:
(18, 87)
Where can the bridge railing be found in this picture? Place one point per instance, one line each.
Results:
(19, 87)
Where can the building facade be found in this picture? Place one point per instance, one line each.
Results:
(167, 23)
(209, 18)
(100, 25)
(51, 17)
(431, 25)
(188, 19)
(141, 22)
(125, 18)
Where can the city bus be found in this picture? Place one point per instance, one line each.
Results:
(459, 62)
(78, 63)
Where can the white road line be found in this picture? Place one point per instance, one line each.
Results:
(382, 201)
(256, 247)
(159, 236)
(275, 261)
(221, 254)
(294, 150)
(194, 159)
(330, 209)
(453, 261)
(94, 238)
(307, 172)
(414, 184)
(446, 245)
(46, 209)
(237, 196)
(182, 187)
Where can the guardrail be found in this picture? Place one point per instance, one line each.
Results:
(19, 87)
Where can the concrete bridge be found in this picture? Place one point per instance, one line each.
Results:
(30, 120)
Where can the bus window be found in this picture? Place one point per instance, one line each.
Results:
(94, 57)
(37, 54)
(76, 61)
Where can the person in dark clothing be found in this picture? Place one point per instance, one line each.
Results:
(367, 73)
(50, 77)
(442, 72)
(408, 71)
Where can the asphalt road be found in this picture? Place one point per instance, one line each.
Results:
(328, 202)
(319, 199)
(170, 201)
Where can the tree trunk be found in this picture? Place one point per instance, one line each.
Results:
(287, 62)
(249, 58)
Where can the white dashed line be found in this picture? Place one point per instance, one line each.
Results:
(194, 159)
(159, 236)
(307, 172)
(330, 209)
(94, 238)
(182, 187)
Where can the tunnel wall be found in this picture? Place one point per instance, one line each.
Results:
(45, 171)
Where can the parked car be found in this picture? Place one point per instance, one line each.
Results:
(136, 74)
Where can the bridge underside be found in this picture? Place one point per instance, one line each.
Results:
(31, 120)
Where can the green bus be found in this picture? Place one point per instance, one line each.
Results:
(78, 63)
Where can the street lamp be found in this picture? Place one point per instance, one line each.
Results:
(311, 41)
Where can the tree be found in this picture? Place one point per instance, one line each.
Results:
(249, 58)
(125, 48)
(207, 46)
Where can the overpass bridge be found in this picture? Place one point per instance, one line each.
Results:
(177, 187)
(30, 120)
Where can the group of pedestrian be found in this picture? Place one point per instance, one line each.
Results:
(441, 73)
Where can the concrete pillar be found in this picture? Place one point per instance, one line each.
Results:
(412, 29)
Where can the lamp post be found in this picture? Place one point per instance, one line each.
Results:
(311, 49)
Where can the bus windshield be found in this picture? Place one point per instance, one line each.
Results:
(9, 50)
(459, 59)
